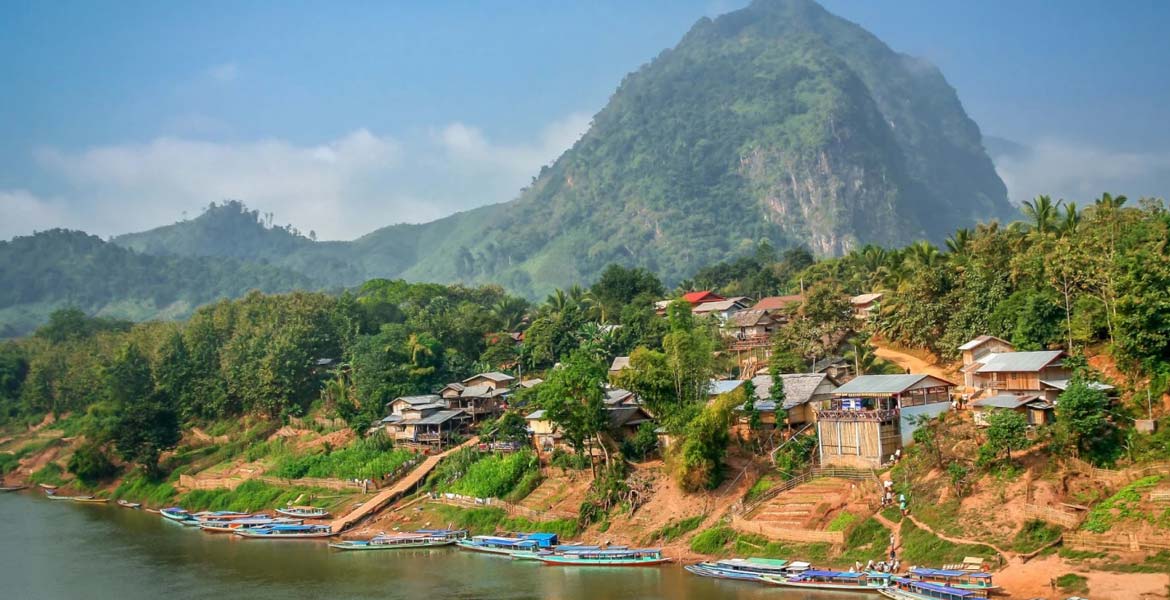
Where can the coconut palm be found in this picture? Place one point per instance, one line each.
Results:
(557, 301)
(959, 242)
(416, 348)
(510, 311)
(1042, 212)
(1071, 220)
(923, 255)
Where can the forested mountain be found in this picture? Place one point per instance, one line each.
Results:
(69, 268)
(779, 121)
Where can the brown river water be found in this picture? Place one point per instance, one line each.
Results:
(99, 552)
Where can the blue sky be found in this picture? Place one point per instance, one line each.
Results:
(347, 116)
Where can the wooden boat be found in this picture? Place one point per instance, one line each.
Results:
(47, 486)
(221, 515)
(955, 578)
(52, 495)
(90, 499)
(304, 512)
(563, 548)
(180, 516)
(816, 579)
(748, 569)
(902, 588)
(398, 541)
(631, 557)
(232, 525)
(128, 504)
(12, 488)
(508, 545)
(286, 532)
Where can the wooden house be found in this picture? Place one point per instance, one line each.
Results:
(493, 380)
(692, 298)
(624, 420)
(426, 424)
(620, 363)
(804, 393)
(398, 405)
(1014, 372)
(872, 416)
(721, 309)
(750, 326)
(1036, 409)
(981, 346)
(481, 395)
(865, 306)
(545, 437)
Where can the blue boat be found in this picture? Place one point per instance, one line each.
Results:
(815, 579)
(509, 545)
(955, 578)
(903, 588)
(180, 516)
(286, 532)
(748, 569)
(423, 538)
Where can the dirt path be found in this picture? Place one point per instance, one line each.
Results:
(895, 529)
(391, 493)
(911, 363)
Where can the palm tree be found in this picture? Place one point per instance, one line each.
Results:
(1071, 220)
(1109, 202)
(557, 301)
(865, 361)
(959, 241)
(416, 348)
(1042, 212)
(510, 311)
(922, 254)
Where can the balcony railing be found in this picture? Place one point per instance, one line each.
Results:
(880, 416)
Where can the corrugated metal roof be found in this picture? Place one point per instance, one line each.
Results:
(619, 363)
(975, 343)
(748, 318)
(703, 296)
(723, 386)
(865, 298)
(1004, 401)
(418, 400)
(880, 384)
(440, 417)
(799, 388)
(535, 415)
(492, 375)
(777, 302)
(1018, 362)
(1062, 384)
(718, 306)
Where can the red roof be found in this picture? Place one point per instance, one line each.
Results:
(777, 302)
(696, 298)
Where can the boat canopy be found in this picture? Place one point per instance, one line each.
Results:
(936, 588)
(543, 540)
(925, 572)
(831, 574)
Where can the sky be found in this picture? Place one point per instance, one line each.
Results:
(344, 117)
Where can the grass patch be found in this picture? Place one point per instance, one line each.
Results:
(924, 548)
(713, 540)
(1035, 535)
(842, 522)
(759, 488)
(1158, 563)
(942, 517)
(1125, 505)
(1073, 584)
(748, 544)
(250, 496)
(50, 474)
(8, 462)
(481, 521)
(893, 514)
(139, 488)
(495, 475)
(870, 540)
(368, 458)
(675, 529)
(527, 484)
(1080, 554)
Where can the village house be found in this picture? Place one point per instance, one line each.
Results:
(397, 405)
(692, 298)
(865, 306)
(426, 424)
(480, 396)
(873, 416)
(804, 393)
(1036, 409)
(778, 307)
(1014, 372)
(722, 309)
(620, 363)
(620, 397)
(837, 367)
(983, 345)
(750, 326)
(624, 421)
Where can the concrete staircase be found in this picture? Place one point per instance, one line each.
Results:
(804, 505)
(544, 496)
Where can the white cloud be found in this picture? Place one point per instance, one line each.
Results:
(1080, 172)
(340, 189)
(21, 208)
(225, 73)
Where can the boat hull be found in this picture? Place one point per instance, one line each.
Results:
(613, 562)
(12, 488)
(367, 547)
(488, 549)
(92, 500)
(300, 515)
(722, 574)
(824, 586)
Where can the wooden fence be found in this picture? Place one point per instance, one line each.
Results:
(1050, 514)
(1120, 477)
(789, 535)
(1132, 542)
(514, 510)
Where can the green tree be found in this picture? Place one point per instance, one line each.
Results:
(1082, 414)
(1007, 430)
(143, 426)
(573, 399)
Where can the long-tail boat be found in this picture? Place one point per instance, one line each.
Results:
(902, 588)
(231, 525)
(128, 504)
(12, 488)
(748, 569)
(816, 579)
(630, 557)
(90, 499)
(53, 495)
(955, 578)
(400, 541)
(509, 545)
(304, 512)
(286, 532)
(178, 515)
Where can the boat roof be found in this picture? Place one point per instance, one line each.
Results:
(546, 537)
(440, 531)
(833, 574)
(617, 552)
(934, 587)
(765, 562)
(949, 573)
(290, 527)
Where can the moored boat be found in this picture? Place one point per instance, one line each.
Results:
(816, 579)
(903, 588)
(90, 499)
(128, 504)
(285, 532)
(400, 541)
(630, 557)
(12, 488)
(955, 578)
(537, 553)
(230, 525)
(180, 516)
(303, 512)
(53, 495)
(510, 545)
(748, 569)
(46, 486)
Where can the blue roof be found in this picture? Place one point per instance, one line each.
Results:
(833, 574)
(934, 587)
(925, 572)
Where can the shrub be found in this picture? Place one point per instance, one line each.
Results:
(922, 547)
(1034, 535)
(642, 444)
(1125, 504)
(1073, 583)
(842, 522)
(140, 488)
(248, 497)
(528, 484)
(8, 462)
(569, 461)
(50, 474)
(91, 465)
(369, 458)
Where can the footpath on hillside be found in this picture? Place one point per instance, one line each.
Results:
(909, 362)
(388, 495)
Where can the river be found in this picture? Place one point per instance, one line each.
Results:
(62, 550)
